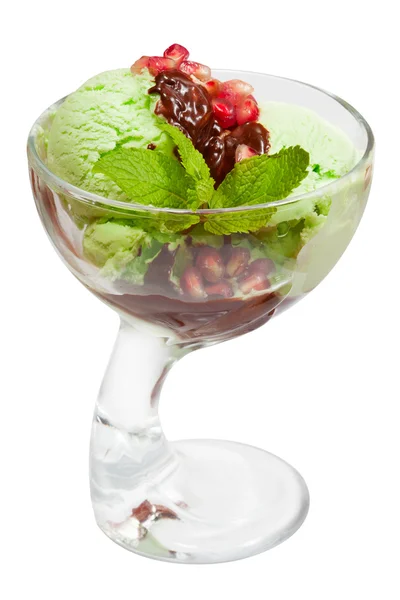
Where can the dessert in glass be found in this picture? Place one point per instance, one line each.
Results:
(197, 205)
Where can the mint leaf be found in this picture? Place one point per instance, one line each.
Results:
(200, 193)
(195, 166)
(175, 223)
(264, 178)
(147, 177)
(167, 223)
(238, 222)
(192, 159)
(162, 223)
(153, 178)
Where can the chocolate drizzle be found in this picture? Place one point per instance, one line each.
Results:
(188, 106)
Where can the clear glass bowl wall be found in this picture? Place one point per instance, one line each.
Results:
(67, 212)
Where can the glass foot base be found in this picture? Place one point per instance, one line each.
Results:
(215, 501)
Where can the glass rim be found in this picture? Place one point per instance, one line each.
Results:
(95, 199)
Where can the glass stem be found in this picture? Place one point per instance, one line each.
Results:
(128, 445)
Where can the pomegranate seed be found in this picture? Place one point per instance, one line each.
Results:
(222, 288)
(160, 63)
(247, 111)
(200, 71)
(140, 64)
(177, 53)
(192, 283)
(213, 87)
(262, 265)
(163, 512)
(253, 281)
(237, 262)
(210, 265)
(143, 511)
(224, 112)
(235, 90)
(243, 151)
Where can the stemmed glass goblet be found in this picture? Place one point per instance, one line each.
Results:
(196, 501)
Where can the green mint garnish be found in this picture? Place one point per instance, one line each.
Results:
(202, 186)
(169, 223)
(262, 178)
(152, 178)
(256, 180)
(147, 177)
(238, 222)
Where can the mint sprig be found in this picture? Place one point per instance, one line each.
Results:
(149, 177)
(238, 222)
(264, 178)
(256, 180)
(202, 187)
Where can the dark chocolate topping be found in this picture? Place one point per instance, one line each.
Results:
(188, 106)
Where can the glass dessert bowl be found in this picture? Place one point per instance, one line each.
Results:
(196, 501)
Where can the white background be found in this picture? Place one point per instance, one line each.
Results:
(318, 386)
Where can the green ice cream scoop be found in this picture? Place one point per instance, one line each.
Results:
(103, 240)
(111, 109)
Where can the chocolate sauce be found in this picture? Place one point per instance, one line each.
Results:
(188, 106)
(251, 134)
(211, 320)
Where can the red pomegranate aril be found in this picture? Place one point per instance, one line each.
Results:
(177, 53)
(247, 111)
(238, 261)
(213, 87)
(157, 64)
(262, 265)
(200, 71)
(224, 112)
(140, 64)
(143, 511)
(235, 90)
(253, 282)
(192, 283)
(210, 264)
(243, 151)
(222, 288)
